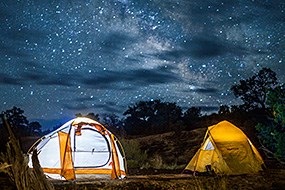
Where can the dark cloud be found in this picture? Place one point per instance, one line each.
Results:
(8, 80)
(206, 109)
(209, 109)
(43, 78)
(140, 77)
(83, 99)
(197, 13)
(4, 12)
(132, 60)
(203, 90)
(108, 107)
(13, 41)
(116, 41)
(10, 51)
(206, 47)
(80, 104)
(32, 35)
(211, 14)
(104, 79)
(34, 76)
(30, 64)
(76, 107)
(147, 77)
(59, 81)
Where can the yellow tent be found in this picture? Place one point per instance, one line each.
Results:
(226, 150)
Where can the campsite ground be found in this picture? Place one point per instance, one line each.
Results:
(270, 179)
(169, 153)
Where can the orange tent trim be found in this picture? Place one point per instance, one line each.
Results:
(81, 171)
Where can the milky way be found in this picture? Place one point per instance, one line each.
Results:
(60, 58)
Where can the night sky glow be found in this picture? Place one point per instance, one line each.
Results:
(59, 58)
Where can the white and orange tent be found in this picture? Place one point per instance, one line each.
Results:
(81, 148)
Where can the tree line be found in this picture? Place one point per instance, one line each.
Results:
(262, 114)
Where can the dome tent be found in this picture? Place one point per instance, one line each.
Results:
(80, 148)
(226, 150)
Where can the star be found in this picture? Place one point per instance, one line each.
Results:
(62, 58)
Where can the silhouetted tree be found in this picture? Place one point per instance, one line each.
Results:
(191, 116)
(113, 123)
(167, 117)
(90, 116)
(224, 109)
(253, 91)
(147, 117)
(18, 121)
(235, 108)
(137, 120)
(35, 128)
(78, 115)
(272, 134)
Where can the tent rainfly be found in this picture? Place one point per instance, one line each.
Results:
(81, 148)
(226, 150)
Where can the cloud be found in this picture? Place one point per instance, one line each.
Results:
(83, 99)
(206, 47)
(10, 51)
(202, 90)
(115, 80)
(116, 41)
(209, 109)
(76, 107)
(8, 80)
(109, 107)
(81, 104)
(32, 35)
(42, 78)
(139, 77)
(4, 11)
(13, 42)
(147, 77)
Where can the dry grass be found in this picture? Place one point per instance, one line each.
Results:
(15, 164)
(181, 181)
(167, 151)
(135, 156)
(214, 183)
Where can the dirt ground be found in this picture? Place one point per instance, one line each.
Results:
(168, 146)
(271, 179)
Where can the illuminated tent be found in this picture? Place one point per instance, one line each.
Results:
(226, 150)
(81, 148)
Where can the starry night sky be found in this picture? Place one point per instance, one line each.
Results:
(63, 57)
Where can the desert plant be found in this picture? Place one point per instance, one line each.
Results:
(157, 162)
(136, 158)
(15, 164)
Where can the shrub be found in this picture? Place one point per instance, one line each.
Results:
(136, 158)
